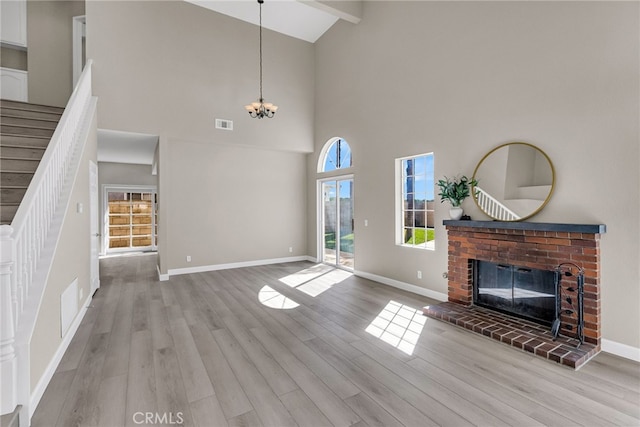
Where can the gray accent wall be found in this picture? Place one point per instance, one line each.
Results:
(223, 204)
(50, 51)
(13, 58)
(125, 174)
(71, 261)
(172, 68)
(460, 78)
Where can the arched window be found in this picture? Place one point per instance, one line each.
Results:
(336, 154)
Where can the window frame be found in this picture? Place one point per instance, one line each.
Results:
(326, 150)
(108, 188)
(400, 190)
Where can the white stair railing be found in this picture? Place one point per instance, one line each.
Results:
(27, 244)
(493, 207)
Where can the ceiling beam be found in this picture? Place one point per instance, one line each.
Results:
(349, 10)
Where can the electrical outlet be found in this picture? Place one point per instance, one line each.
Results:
(419, 274)
(290, 249)
(366, 222)
(188, 258)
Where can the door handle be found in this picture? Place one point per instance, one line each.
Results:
(97, 235)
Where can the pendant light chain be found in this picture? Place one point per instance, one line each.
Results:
(260, 2)
(261, 109)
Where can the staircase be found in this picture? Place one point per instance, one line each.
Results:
(25, 132)
(40, 158)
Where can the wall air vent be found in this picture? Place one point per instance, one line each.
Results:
(224, 124)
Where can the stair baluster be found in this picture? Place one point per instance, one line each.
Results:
(492, 206)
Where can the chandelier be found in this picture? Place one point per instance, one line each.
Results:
(261, 109)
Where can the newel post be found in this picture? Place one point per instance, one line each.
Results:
(8, 361)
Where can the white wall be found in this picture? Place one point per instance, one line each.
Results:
(458, 79)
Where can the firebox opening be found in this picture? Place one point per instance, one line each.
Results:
(528, 293)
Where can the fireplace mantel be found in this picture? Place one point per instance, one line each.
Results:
(534, 245)
(531, 226)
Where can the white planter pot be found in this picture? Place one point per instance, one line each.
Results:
(455, 212)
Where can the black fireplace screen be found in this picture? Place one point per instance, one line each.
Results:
(525, 292)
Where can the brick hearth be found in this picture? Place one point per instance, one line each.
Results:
(518, 333)
(531, 245)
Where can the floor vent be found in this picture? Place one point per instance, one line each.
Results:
(224, 124)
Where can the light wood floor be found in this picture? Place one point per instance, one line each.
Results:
(203, 349)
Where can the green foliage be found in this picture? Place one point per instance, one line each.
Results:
(420, 236)
(330, 240)
(455, 190)
(346, 242)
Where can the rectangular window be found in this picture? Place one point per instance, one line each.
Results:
(415, 189)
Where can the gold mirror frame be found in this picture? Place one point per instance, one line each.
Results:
(503, 215)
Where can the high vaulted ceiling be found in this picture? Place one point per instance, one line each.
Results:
(303, 19)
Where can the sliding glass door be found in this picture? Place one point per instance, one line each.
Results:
(337, 222)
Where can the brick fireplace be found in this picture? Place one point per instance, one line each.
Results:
(541, 246)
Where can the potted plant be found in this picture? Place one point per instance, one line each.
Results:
(455, 190)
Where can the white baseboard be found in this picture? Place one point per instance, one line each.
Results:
(44, 380)
(162, 277)
(204, 268)
(439, 296)
(622, 350)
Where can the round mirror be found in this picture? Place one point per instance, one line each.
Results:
(515, 181)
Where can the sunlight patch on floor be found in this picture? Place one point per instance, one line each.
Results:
(298, 278)
(271, 298)
(317, 279)
(317, 286)
(398, 325)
